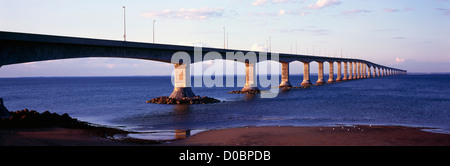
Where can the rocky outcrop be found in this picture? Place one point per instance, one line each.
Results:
(33, 119)
(255, 91)
(183, 100)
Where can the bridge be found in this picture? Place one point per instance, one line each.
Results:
(18, 48)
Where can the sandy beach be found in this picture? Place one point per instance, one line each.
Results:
(319, 136)
(246, 136)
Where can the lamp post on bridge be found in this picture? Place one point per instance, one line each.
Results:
(124, 25)
(154, 31)
(224, 38)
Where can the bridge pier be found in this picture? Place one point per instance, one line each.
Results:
(182, 80)
(339, 76)
(306, 81)
(354, 70)
(370, 72)
(364, 70)
(350, 76)
(320, 74)
(331, 73)
(374, 71)
(285, 75)
(345, 71)
(250, 77)
(3, 111)
(358, 75)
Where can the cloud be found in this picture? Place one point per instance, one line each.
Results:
(310, 29)
(195, 43)
(259, 47)
(324, 3)
(355, 11)
(110, 65)
(281, 12)
(444, 11)
(399, 37)
(258, 2)
(187, 14)
(392, 10)
(399, 60)
(262, 2)
(281, 1)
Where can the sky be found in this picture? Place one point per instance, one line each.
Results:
(409, 34)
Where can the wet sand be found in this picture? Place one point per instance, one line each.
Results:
(56, 136)
(318, 136)
(246, 136)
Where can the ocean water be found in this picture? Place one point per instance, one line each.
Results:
(407, 100)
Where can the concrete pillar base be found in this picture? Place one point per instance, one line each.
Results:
(181, 92)
(320, 81)
(306, 83)
(285, 84)
(249, 88)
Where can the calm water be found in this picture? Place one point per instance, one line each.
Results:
(412, 100)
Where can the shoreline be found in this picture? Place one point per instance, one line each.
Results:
(30, 128)
(242, 136)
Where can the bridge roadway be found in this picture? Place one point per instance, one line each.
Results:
(18, 48)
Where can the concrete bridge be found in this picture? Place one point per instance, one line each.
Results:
(21, 48)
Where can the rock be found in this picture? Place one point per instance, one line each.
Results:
(257, 91)
(32, 119)
(183, 100)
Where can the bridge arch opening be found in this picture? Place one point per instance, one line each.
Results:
(91, 66)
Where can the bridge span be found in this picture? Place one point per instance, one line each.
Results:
(18, 48)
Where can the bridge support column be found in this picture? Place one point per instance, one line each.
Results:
(306, 81)
(3, 111)
(250, 77)
(331, 73)
(354, 70)
(374, 71)
(358, 75)
(182, 80)
(345, 71)
(339, 73)
(370, 72)
(320, 75)
(285, 75)
(364, 70)
(350, 75)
